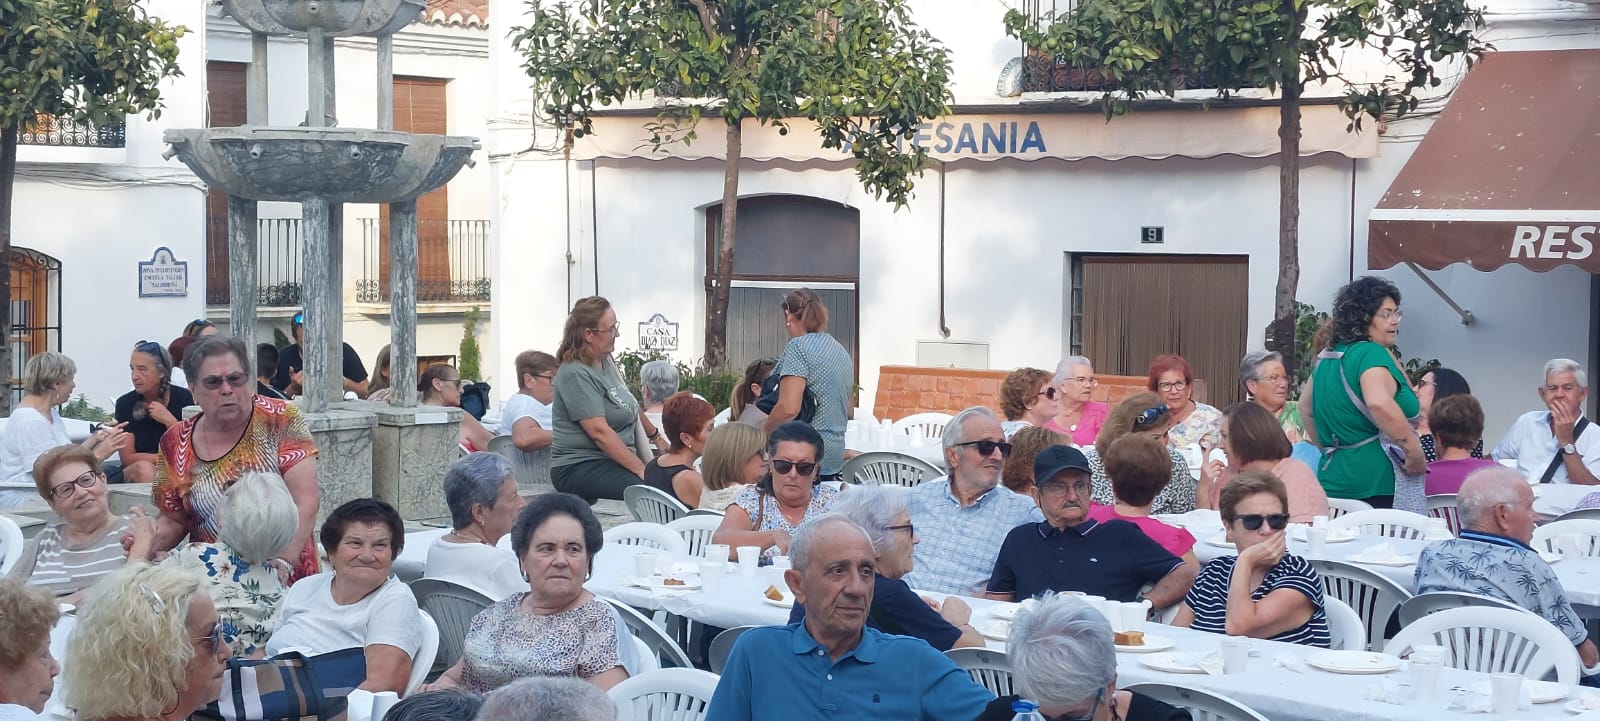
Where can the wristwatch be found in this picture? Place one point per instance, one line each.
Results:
(1569, 449)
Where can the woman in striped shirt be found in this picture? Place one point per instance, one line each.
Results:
(69, 557)
(1273, 595)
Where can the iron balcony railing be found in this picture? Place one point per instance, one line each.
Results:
(452, 261)
(1043, 72)
(278, 262)
(64, 132)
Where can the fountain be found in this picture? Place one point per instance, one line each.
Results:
(322, 166)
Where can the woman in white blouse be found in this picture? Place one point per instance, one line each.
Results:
(35, 426)
(482, 495)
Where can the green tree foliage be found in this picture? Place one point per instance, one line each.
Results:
(714, 385)
(1144, 48)
(471, 353)
(860, 69)
(93, 61)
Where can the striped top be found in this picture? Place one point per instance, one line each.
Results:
(1208, 598)
(49, 562)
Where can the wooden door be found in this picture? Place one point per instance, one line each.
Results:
(420, 107)
(225, 108)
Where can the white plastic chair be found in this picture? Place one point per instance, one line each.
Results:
(696, 531)
(1373, 597)
(722, 647)
(531, 468)
(1443, 505)
(1581, 514)
(658, 644)
(1388, 522)
(11, 543)
(989, 669)
(723, 417)
(887, 468)
(647, 661)
(452, 607)
(1340, 506)
(422, 663)
(652, 505)
(1203, 705)
(1345, 628)
(675, 694)
(932, 424)
(1494, 640)
(648, 535)
(1584, 535)
(1432, 602)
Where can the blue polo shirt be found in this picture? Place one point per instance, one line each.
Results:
(899, 610)
(1113, 559)
(781, 672)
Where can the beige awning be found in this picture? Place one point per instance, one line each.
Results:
(1189, 132)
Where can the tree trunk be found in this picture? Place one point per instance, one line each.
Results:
(8, 177)
(717, 313)
(1283, 315)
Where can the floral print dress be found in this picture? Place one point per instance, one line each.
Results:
(249, 596)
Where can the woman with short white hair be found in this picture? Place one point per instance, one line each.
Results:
(1077, 413)
(258, 521)
(1062, 659)
(547, 697)
(881, 512)
(481, 491)
(658, 381)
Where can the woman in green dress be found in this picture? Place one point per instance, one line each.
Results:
(1358, 406)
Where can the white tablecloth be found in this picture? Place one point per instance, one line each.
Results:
(1553, 499)
(1278, 693)
(414, 557)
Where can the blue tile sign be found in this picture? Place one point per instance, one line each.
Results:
(163, 276)
(658, 334)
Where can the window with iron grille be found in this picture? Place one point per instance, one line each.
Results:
(1044, 71)
(35, 311)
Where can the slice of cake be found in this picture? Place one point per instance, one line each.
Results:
(774, 594)
(1128, 638)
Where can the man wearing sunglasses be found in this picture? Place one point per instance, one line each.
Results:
(1069, 551)
(291, 364)
(962, 517)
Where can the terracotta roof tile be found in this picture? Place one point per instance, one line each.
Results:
(462, 13)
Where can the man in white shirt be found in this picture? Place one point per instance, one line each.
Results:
(527, 415)
(1556, 444)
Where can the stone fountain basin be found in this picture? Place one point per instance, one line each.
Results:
(341, 165)
(334, 17)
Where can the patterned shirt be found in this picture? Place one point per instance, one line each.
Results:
(829, 374)
(1176, 497)
(960, 543)
(1492, 565)
(276, 441)
(249, 596)
(1208, 598)
(764, 506)
(505, 643)
(49, 562)
(1202, 427)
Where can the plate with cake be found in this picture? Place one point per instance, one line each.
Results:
(675, 582)
(1139, 642)
(775, 597)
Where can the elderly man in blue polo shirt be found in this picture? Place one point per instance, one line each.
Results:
(830, 665)
(1071, 552)
(963, 517)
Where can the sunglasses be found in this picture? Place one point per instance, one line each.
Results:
(213, 640)
(783, 467)
(792, 308)
(986, 448)
(65, 490)
(1149, 416)
(1049, 392)
(236, 379)
(298, 319)
(148, 346)
(1275, 521)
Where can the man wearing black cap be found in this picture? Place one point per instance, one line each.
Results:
(291, 364)
(1070, 551)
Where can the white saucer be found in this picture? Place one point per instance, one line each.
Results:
(1152, 644)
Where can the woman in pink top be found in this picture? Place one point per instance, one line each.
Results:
(1139, 467)
(1252, 438)
(1077, 415)
(1457, 426)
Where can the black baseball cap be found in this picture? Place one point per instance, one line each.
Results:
(1056, 459)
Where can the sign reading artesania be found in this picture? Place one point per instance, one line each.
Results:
(658, 334)
(163, 276)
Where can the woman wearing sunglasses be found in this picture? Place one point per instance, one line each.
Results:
(1146, 415)
(237, 432)
(1028, 399)
(1263, 592)
(768, 514)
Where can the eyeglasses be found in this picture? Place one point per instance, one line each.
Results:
(1172, 386)
(65, 490)
(1099, 697)
(1272, 379)
(1395, 314)
(1150, 416)
(783, 467)
(213, 640)
(546, 376)
(910, 531)
(986, 447)
(237, 379)
(1048, 392)
(1090, 381)
(615, 329)
(1275, 521)
(1058, 487)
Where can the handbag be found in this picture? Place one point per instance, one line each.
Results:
(1550, 470)
(289, 687)
(769, 398)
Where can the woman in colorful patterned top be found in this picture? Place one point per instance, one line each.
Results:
(768, 514)
(556, 627)
(258, 521)
(237, 432)
(1193, 423)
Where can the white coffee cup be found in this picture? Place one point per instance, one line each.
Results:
(382, 701)
(1319, 521)
(1505, 692)
(749, 560)
(717, 552)
(644, 564)
(1235, 654)
(711, 573)
(1316, 542)
(1425, 670)
(1134, 614)
(782, 562)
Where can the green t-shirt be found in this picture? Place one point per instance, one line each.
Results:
(1354, 472)
(584, 391)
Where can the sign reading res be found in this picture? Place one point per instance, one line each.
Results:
(163, 276)
(658, 334)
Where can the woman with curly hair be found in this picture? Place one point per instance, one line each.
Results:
(27, 670)
(1027, 398)
(1358, 406)
(148, 646)
(1017, 471)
